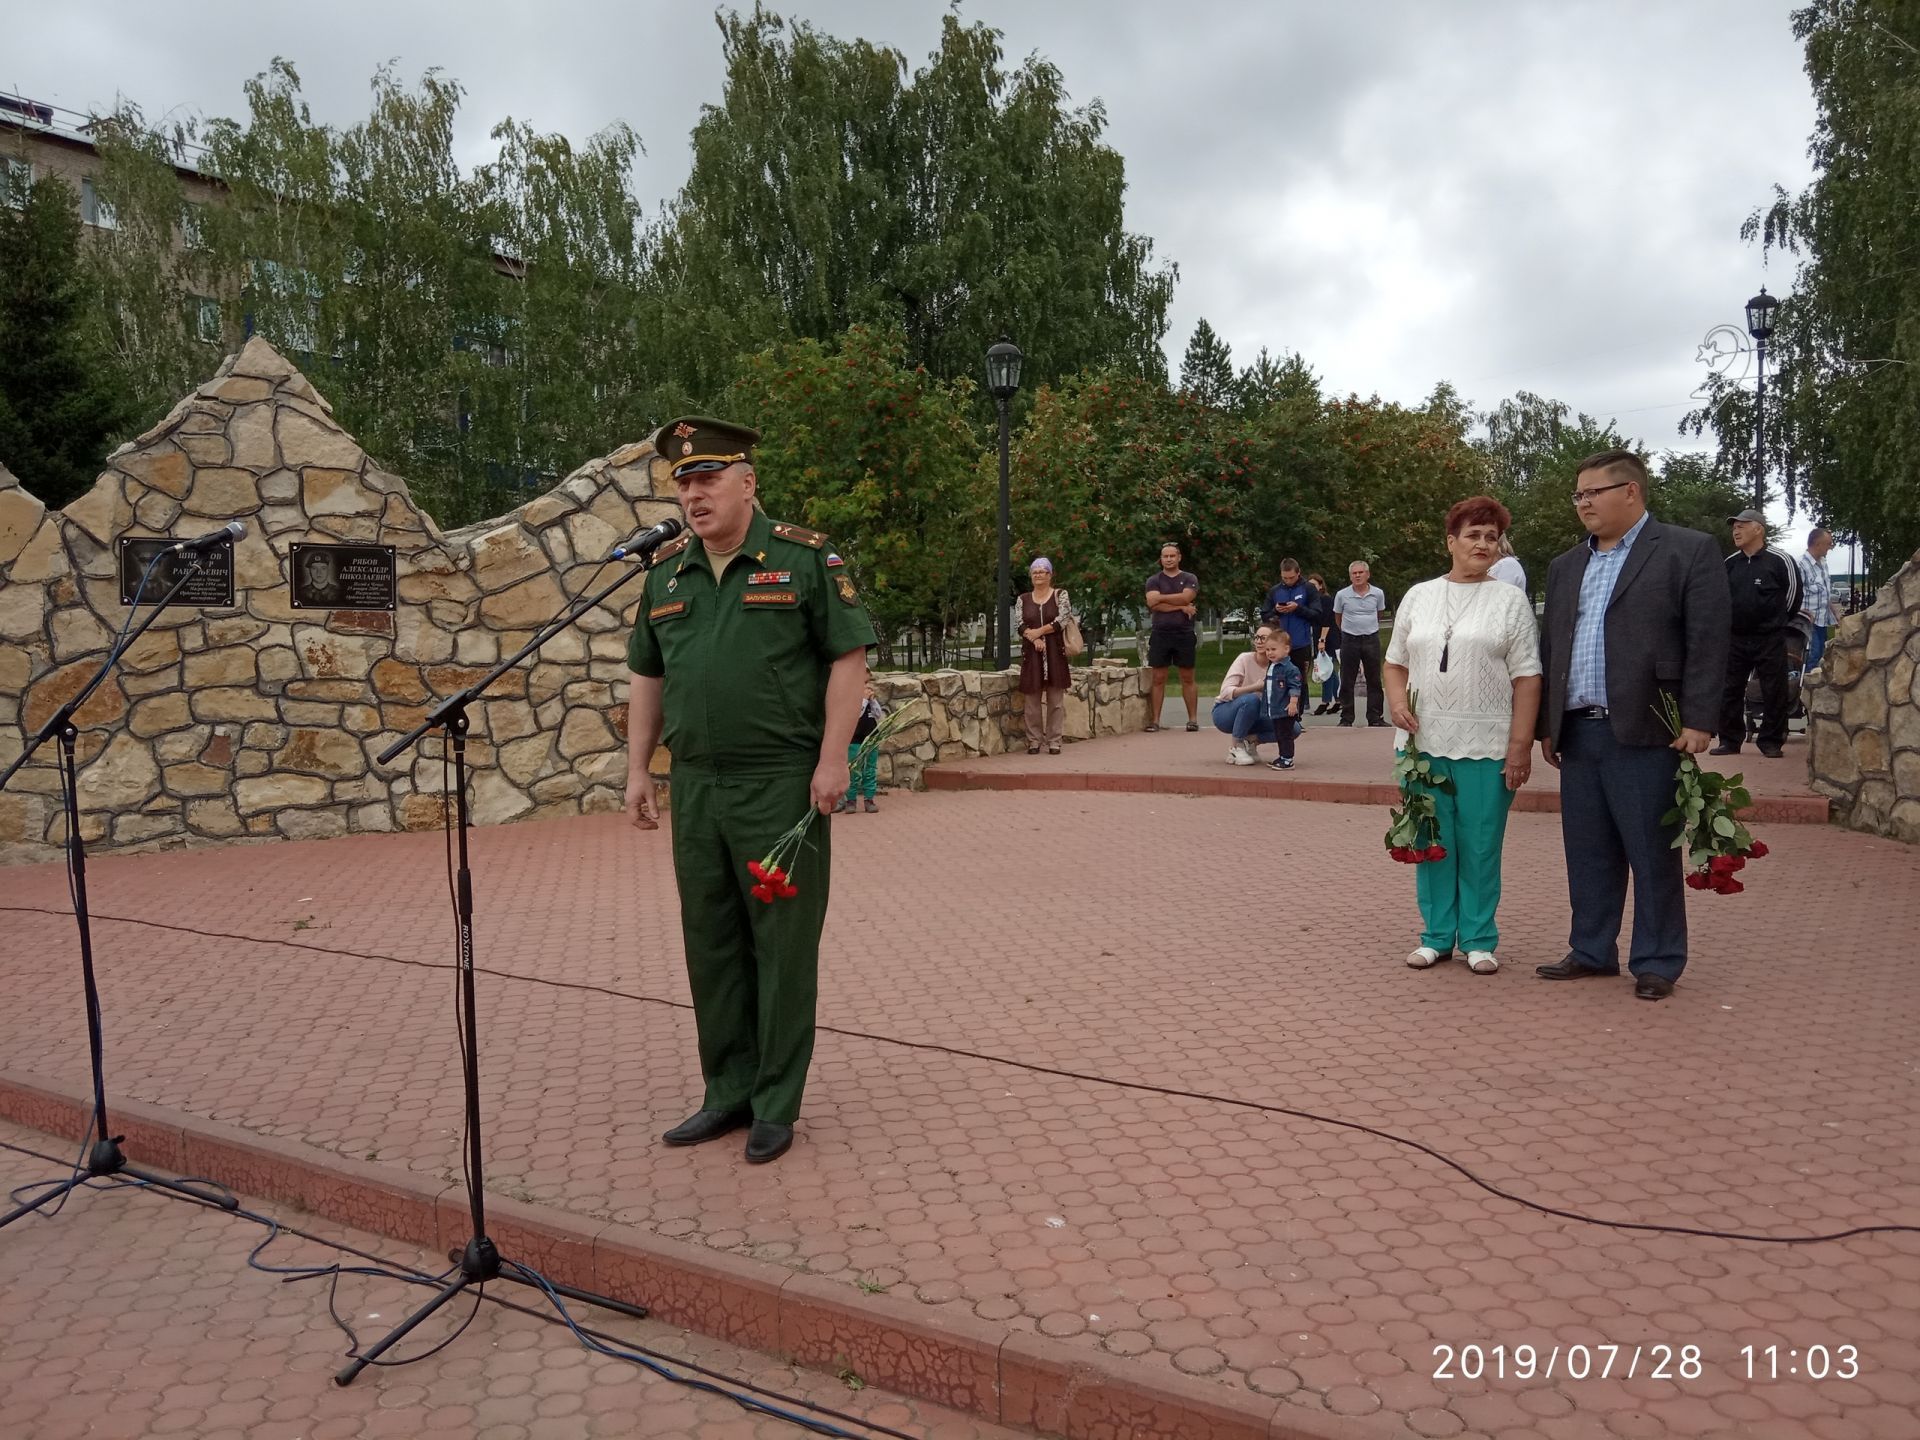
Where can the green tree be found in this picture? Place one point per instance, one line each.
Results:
(830, 187)
(1206, 370)
(880, 455)
(1843, 421)
(1532, 447)
(60, 405)
(1690, 489)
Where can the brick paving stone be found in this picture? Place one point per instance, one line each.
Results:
(1775, 1092)
(185, 1266)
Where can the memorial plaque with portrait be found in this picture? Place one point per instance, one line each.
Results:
(343, 577)
(210, 585)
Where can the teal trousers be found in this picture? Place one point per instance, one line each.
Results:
(1459, 895)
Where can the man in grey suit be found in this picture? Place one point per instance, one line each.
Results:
(1636, 611)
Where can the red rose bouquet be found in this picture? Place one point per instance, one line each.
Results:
(1717, 845)
(1413, 830)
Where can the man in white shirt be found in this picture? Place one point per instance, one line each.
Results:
(1356, 615)
(1816, 594)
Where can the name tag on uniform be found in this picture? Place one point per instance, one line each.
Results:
(668, 611)
(771, 597)
(770, 577)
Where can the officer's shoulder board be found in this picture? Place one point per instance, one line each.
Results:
(799, 535)
(673, 547)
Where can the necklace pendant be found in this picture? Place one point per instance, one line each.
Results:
(1443, 656)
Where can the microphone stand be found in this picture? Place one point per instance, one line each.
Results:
(480, 1260)
(104, 1157)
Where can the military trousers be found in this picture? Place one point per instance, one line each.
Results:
(753, 966)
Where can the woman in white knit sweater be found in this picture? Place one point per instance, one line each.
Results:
(1466, 646)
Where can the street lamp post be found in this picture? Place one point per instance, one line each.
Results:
(1003, 379)
(1760, 326)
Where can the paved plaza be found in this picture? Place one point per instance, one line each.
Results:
(132, 1315)
(980, 944)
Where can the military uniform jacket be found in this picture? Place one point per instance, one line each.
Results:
(744, 658)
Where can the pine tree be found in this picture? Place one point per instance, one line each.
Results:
(59, 406)
(1206, 370)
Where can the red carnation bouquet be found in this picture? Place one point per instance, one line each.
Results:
(773, 872)
(1413, 830)
(1718, 846)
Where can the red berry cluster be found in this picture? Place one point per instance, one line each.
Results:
(1717, 874)
(1413, 855)
(773, 883)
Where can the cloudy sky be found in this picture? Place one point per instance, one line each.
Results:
(1543, 195)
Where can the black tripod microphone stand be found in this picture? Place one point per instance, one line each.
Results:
(480, 1261)
(104, 1157)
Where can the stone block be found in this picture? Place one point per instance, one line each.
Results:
(309, 712)
(524, 759)
(310, 824)
(23, 610)
(210, 450)
(231, 703)
(218, 493)
(42, 558)
(422, 812)
(343, 690)
(158, 715)
(509, 719)
(476, 647)
(545, 510)
(274, 792)
(21, 515)
(374, 819)
(76, 632)
(496, 799)
(123, 778)
(163, 467)
(215, 817)
(135, 829)
(523, 606)
(505, 555)
(328, 752)
(177, 746)
(229, 665)
(557, 787)
(360, 719)
(104, 707)
(195, 780)
(326, 656)
(417, 638)
(421, 588)
(309, 442)
(236, 389)
(281, 487)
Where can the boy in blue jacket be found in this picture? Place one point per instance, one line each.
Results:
(1285, 692)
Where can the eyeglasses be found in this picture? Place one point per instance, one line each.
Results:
(1586, 497)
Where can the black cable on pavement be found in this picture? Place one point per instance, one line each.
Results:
(1142, 1086)
(714, 1383)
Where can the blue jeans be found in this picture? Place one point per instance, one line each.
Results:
(1817, 646)
(1241, 718)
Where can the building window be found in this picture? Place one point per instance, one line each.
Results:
(206, 319)
(16, 179)
(94, 210)
(193, 229)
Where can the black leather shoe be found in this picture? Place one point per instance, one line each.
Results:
(1378, 725)
(1653, 987)
(705, 1125)
(1569, 968)
(1724, 750)
(768, 1140)
(1772, 752)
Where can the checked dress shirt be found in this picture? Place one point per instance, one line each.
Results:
(1587, 673)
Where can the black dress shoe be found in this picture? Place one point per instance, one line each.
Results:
(1772, 752)
(1724, 749)
(1653, 987)
(1379, 725)
(1569, 968)
(768, 1140)
(705, 1125)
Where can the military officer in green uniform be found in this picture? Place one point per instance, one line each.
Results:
(749, 658)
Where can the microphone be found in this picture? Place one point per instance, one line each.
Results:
(647, 541)
(233, 529)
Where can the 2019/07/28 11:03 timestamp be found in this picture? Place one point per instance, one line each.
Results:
(1654, 1362)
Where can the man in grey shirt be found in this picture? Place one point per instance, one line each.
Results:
(1356, 615)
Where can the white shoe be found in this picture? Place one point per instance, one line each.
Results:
(1481, 962)
(1422, 956)
(1240, 755)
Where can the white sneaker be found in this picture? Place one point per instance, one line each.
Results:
(1240, 755)
(1481, 962)
(1422, 956)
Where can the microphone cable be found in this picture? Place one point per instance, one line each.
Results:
(1080, 1076)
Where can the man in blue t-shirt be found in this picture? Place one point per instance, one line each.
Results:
(1294, 605)
(1171, 593)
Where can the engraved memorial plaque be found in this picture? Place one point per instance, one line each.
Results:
(210, 586)
(343, 577)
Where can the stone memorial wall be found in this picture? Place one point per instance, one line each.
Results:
(1863, 713)
(258, 720)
